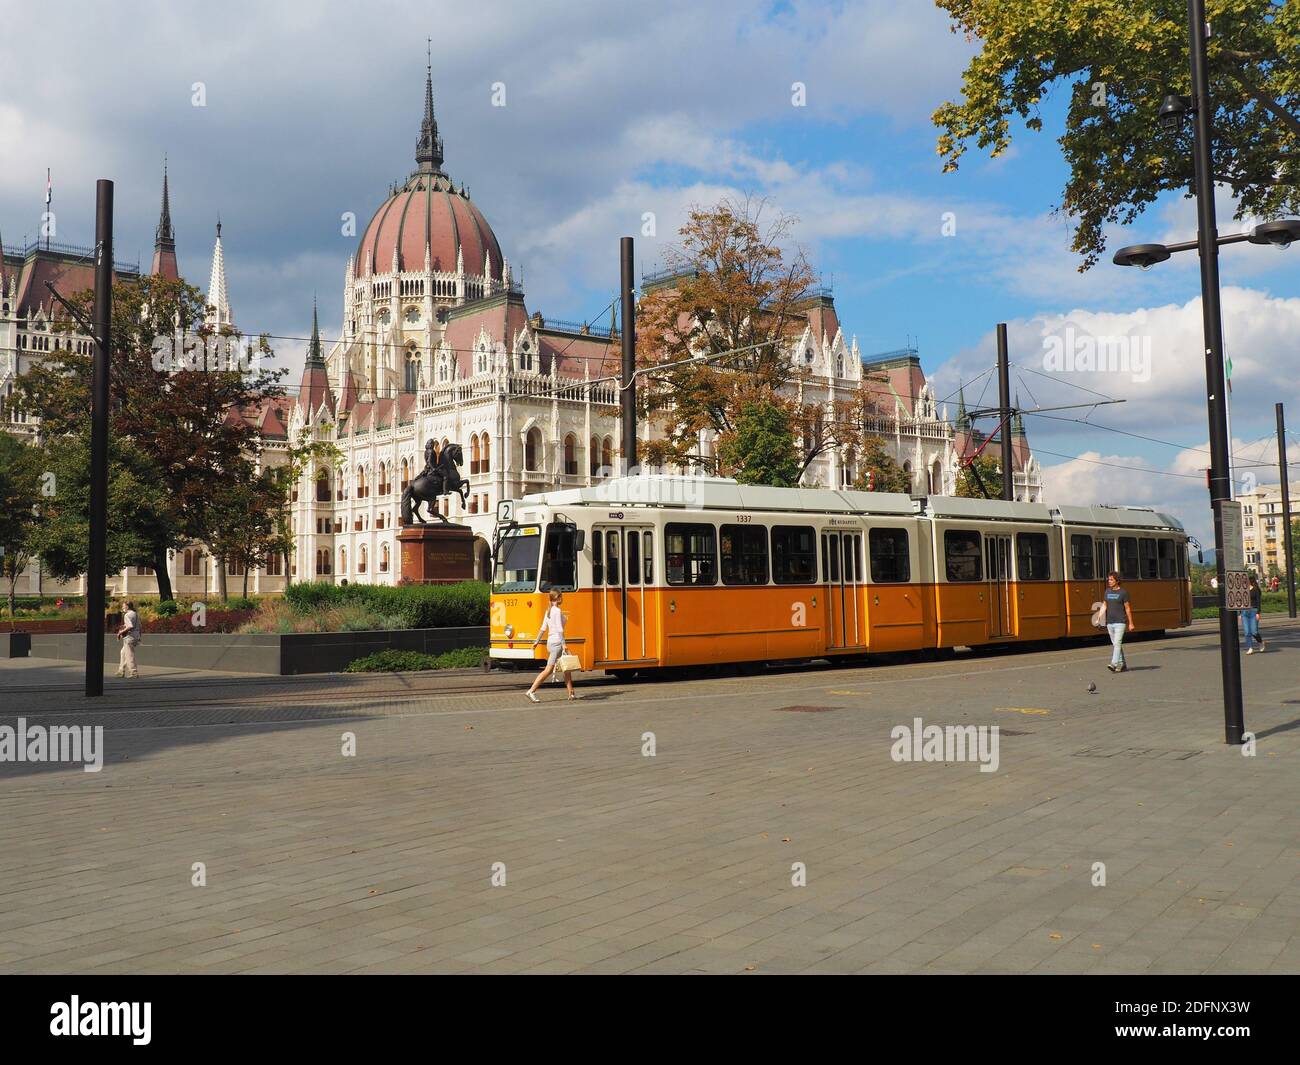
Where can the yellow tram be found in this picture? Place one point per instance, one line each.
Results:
(661, 571)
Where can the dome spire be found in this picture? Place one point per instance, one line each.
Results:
(314, 357)
(164, 245)
(428, 149)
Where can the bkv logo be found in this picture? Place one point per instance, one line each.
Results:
(171, 354)
(1074, 350)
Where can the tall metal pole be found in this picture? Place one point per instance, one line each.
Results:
(1004, 412)
(99, 400)
(1212, 321)
(1286, 509)
(627, 323)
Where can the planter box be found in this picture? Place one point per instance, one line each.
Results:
(269, 655)
(15, 644)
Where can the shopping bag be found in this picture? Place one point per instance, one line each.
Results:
(569, 663)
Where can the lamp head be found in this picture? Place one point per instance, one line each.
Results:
(1280, 233)
(1144, 256)
(1173, 110)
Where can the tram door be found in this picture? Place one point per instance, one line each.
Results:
(997, 568)
(842, 575)
(622, 568)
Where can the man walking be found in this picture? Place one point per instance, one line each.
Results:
(129, 634)
(1250, 618)
(1119, 621)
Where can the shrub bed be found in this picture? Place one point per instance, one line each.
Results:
(415, 661)
(420, 606)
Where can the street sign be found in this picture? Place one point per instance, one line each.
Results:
(1238, 589)
(1234, 550)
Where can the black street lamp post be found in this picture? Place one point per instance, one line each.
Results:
(1172, 112)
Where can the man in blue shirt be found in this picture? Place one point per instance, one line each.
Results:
(1119, 621)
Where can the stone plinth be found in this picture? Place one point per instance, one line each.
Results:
(437, 554)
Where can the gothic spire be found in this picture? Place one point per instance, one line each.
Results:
(1017, 420)
(218, 297)
(164, 245)
(428, 149)
(963, 420)
(314, 357)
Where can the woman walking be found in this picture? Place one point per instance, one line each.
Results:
(1119, 621)
(553, 626)
(1250, 618)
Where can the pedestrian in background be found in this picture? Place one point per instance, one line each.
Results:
(1119, 621)
(1250, 618)
(129, 635)
(553, 627)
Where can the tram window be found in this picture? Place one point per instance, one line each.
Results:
(559, 559)
(1168, 566)
(826, 560)
(691, 553)
(1082, 559)
(1033, 560)
(633, 558)
(961, 548)
(611, 557)
(833, 554)
(794, 553)
(649, 559)
(1147, 560)
(850, 558)
(516, 559)
(744, 554)
(597, 560)
(1128, 558)
(1182, 560)
(890, 561)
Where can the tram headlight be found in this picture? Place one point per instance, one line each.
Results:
(510, 632)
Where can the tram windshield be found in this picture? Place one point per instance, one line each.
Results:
(517, 554)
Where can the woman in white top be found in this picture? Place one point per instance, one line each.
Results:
(553, 626)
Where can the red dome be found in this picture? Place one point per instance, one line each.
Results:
(428, 211)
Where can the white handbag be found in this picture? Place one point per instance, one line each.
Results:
(568, 663)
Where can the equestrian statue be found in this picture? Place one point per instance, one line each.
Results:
(439, 477)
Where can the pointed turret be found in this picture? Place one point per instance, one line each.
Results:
(218, 313)
(164, 244)
(315, 387)
(428, 149)
(963, 419)
(1017, 420)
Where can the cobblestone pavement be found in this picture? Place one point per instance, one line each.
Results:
(681, 861)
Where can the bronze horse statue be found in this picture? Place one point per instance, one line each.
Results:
(438, 478)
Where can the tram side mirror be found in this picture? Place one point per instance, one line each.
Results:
(1200, 557)
(579, 540)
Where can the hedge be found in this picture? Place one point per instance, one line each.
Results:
(420, 606)
(411, 661)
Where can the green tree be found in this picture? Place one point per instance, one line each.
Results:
(139, 514)
(990, 473)
(184, 415)
(20, 481)
(761, 448)
(878, 471)
(1114, 61)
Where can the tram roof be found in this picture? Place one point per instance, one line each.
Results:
(722, 493)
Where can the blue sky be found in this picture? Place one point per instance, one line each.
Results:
(312, 111)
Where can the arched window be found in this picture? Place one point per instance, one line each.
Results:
(411, 380)
(593, 456)
(907, 469)
(533, 449)
(361, 559)
(383, 558)
(570, 456)
(361, 482)
(406, 473)
(936, 478)
(607, 455)
(343, 560)
(473, 453)
(384, 486)
(850, 468)
(486, 465)
(323, 486)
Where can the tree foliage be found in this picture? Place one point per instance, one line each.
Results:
(877, 469)
(1115, 60)
(20, 491)
(733, 306)
(990, 473)
(761, 447)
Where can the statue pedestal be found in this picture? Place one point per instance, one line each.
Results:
(436, 553)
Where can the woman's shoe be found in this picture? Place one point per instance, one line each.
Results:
(573, 698)
(1112, 667)
(532, 697)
